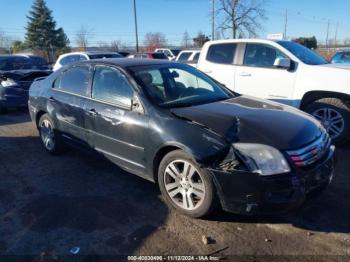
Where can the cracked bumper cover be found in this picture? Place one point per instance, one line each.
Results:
(243, 192)
(13, 96)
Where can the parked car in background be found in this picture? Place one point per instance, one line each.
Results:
(73, 57)
(201, 143)
(171, 54)
(149, 55)
(286, 72)
(188, 57)
(123, 53)
(17, 72)
(341, 57)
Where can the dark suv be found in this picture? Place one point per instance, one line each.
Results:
(174, 125)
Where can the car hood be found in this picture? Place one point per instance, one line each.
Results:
(25, 75)
(252, 120)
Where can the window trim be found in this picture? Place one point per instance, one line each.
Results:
(119, 105)
(67, 69)
(262, 67)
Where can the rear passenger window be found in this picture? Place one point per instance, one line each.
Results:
(75, 80)
(72, 59)
(196, 57)
(184, 56)
(221, 53)
(111, 86)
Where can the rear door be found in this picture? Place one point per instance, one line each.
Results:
(114, 129)
(219, 63)
(258, 77)
(67, 100)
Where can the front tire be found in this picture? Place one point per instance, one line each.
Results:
(186, 186)
(334, 114)
(50, 138)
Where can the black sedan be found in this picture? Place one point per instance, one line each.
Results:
(17, 72)
(172, 124)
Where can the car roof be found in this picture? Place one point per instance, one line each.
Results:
(89, 53)
(343, 52)
(245, 40)
(25, 56)
(128, 62)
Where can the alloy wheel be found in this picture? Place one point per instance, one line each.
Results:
(184, 184)
(47, 134)
(331, 119)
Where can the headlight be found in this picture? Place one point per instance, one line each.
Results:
(263, 159)
(8, 82)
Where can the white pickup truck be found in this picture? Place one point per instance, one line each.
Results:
(286, 72)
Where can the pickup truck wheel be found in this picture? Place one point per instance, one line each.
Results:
(50, 137)
(334, 115)
(185, 186)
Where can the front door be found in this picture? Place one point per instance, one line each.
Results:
(114, 129)
(258, 77)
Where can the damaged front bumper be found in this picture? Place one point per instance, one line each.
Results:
(244, 192)
(14, 96)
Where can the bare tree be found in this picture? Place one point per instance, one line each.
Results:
(115, 45)
(200, 39)
(241, 17)
(186, 40)
(82, 37)
(154, 40)
(5, 42)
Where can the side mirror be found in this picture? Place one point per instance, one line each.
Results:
(136, 105)
(282, 63)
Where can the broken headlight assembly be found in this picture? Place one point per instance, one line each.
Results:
(8, 82)
(262, 159)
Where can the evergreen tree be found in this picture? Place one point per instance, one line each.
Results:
(41, 30)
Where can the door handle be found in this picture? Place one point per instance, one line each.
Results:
(245, 74)
(92, 112)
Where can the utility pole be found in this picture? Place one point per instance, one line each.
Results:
(213, 21)
(285, 25)
(327, 33)
(335, 36)
(136, 32)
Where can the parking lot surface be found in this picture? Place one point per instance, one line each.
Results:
(51, 204)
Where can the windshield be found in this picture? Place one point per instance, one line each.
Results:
(159, 56)
(9, 63)
(100, 56)
(175, 51)
(178, 85)
(304, 54)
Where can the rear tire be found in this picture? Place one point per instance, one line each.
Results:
(334, 114)
(186, 186)
(50, 137)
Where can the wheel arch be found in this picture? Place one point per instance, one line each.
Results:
(313, 96)
(160, 154)
(38, 116)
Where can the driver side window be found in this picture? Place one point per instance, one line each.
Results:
(259, 55)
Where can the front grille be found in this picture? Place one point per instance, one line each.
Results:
(308, 155)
